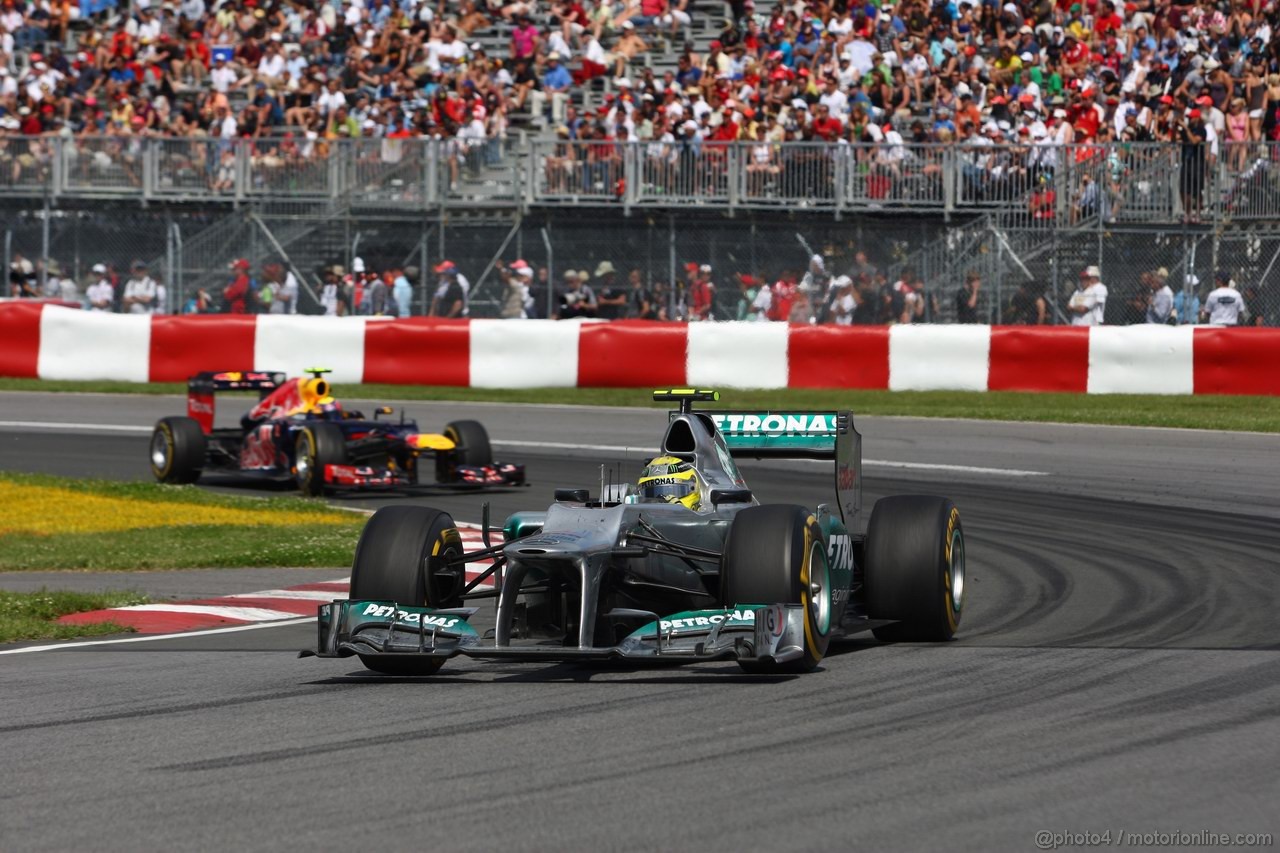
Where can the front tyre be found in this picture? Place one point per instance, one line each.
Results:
(317, 445)
(177, 450)
(403, 556)
(915, 568)
(777, 555)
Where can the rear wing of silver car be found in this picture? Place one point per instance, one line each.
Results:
(787, 435)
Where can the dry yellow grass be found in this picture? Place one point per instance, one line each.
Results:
(49, 510)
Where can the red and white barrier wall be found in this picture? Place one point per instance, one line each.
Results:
(58, 343)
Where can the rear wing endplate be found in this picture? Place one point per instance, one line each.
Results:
(202, 387)
(800, 435)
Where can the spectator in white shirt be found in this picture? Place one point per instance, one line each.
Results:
(223, 77)
(1161, 304)
(271, 67)
(1088, 304)
(100, 294)
(1224, 304)
(139, 291)
(331, 98)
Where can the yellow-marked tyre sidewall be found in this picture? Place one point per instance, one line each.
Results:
(307, 445)
(447, 543)
(953, 601)
(814, 564)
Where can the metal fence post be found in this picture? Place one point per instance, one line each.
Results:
(148, 168)
(532, 171)
(734, 162)
(58, 174)
(949, 178)
(671, 266)
(44, 244)
(551, 270)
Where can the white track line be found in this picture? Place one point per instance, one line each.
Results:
(77, 427)
(153, 637)
(294, 594)
(244, 614)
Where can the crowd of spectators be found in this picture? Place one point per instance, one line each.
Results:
(294, 76)
(865, 294)
(856, 292)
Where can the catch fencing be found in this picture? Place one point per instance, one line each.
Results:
(1121, 182)
(190, 249)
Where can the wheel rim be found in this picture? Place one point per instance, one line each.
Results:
(819, 588)
(302, 465)
(442, 585)
(957, 571)
(159, 451)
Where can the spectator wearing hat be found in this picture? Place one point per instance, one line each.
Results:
(100, 294)
(1089, 302)
(1160, 305)
(702, 294)
(556, 82)
(1186, 301)
(450, 299)
(578, 299)
(139, 291)
(236, 294)
(611, 299)
(515, 298)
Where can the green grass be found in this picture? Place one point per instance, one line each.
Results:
(31, 615)
(187, 548)
(320, 537)
(1261, 414)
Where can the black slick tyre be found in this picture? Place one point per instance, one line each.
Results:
(402, 556)
(317, 445)
(472, 441)
(915, 568)
(777, 555)
(177, 450)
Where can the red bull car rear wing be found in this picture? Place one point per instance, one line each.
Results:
(786, 435)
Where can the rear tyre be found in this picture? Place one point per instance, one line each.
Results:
(402, 556)
(915, 568)
(316, 446)
(177, 450)
(777, 555)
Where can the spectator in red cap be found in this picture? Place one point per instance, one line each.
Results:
(236, 293)
(450, 299)
(702, 294)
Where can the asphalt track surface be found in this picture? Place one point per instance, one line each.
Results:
(1117, 667)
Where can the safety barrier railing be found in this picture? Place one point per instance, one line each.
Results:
(1026, 183)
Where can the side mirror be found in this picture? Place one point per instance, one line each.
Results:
(382, 410)
(577, 496)
(730, 496)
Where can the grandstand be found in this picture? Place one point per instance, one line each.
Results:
(1027, 136)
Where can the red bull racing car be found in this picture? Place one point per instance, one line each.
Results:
(297, 431)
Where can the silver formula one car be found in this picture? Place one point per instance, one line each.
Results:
(686, 565)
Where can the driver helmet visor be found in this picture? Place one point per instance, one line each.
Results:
(675, 490)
